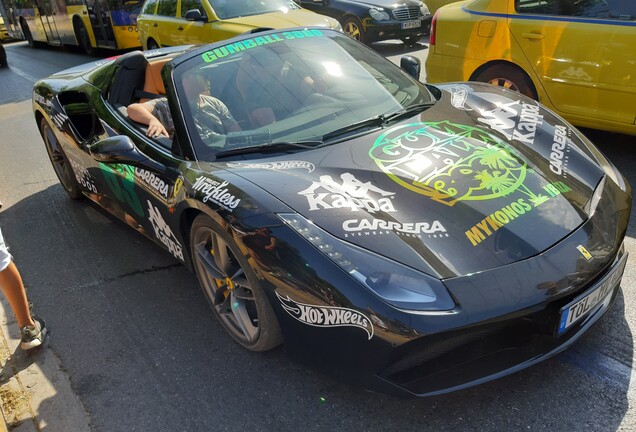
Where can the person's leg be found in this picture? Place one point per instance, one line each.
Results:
(32, 331)
(13, 289)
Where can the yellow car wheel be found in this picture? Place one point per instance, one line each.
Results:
(508, 76)
(353, 27)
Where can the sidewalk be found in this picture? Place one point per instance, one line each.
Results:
(35, 393)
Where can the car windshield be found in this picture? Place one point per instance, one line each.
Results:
(289, 87)
(227, 9)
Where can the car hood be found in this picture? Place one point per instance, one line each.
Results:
(281, 20)
(482, 179)
(390, 4)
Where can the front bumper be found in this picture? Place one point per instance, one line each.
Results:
(507, 318)
(392, 29)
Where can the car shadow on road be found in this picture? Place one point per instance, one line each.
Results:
(143, 351)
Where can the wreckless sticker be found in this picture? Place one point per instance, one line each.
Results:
(350, 193)
(275, 166)
(120, 179)
(326, 316)
(217, 192)
(163, 232)
(451, 162)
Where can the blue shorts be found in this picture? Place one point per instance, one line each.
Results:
(5, 256)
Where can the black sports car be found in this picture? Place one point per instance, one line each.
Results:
(376, 20)
(409, 238)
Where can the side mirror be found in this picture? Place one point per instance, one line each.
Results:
(195, 15)
(411, 65)
(121, 149)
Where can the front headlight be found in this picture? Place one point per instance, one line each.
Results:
(424, 9)
(379, 14)
(396, 284)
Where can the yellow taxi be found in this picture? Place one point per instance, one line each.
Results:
(578, 57)
(179, 22)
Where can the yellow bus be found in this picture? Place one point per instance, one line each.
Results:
(90, 24)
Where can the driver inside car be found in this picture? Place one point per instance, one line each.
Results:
(211, 116)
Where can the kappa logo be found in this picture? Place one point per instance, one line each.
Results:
(163, 232)
(515, 120)
(326, 316)
(351, 193)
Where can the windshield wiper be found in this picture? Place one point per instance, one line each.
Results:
(270, 147)
(408, 111)
(375, 121)
(378, 121)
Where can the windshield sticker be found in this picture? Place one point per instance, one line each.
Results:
(163, 232)
(326, 316)
(451, 163)
(217, 192)
(515, 120)
(237, 47)
(276, 166)
(351, 193)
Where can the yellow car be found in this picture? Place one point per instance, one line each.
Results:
(179, 22)
(578, 57)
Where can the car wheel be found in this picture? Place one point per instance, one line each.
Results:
(84, 40)
(60, 162)
(28, 36)
(353, 27)
(152, 45)
(409, 40)
(231, 287)
(509, 77)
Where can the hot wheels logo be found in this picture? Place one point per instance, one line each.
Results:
(326, 316)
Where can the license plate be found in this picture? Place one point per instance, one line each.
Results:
(411, 24)
(580, 307)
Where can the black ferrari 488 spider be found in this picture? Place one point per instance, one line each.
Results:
(409, 238)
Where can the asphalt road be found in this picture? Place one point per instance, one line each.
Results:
(144, 353)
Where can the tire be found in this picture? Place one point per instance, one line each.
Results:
(152, 45)
(60, 162)
(409, 41)
(83, 39)
(353, 27)
(28, 36)
(509, 77)
(232, 288)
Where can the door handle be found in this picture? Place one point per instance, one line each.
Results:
(532, 35)
(180, 28)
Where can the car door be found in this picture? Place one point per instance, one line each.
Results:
(192, 32)
(582, 52)
(143, 193)
(165, 23)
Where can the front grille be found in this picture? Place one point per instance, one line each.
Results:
(404, 13)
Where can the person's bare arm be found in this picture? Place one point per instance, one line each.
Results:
(141, 113)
